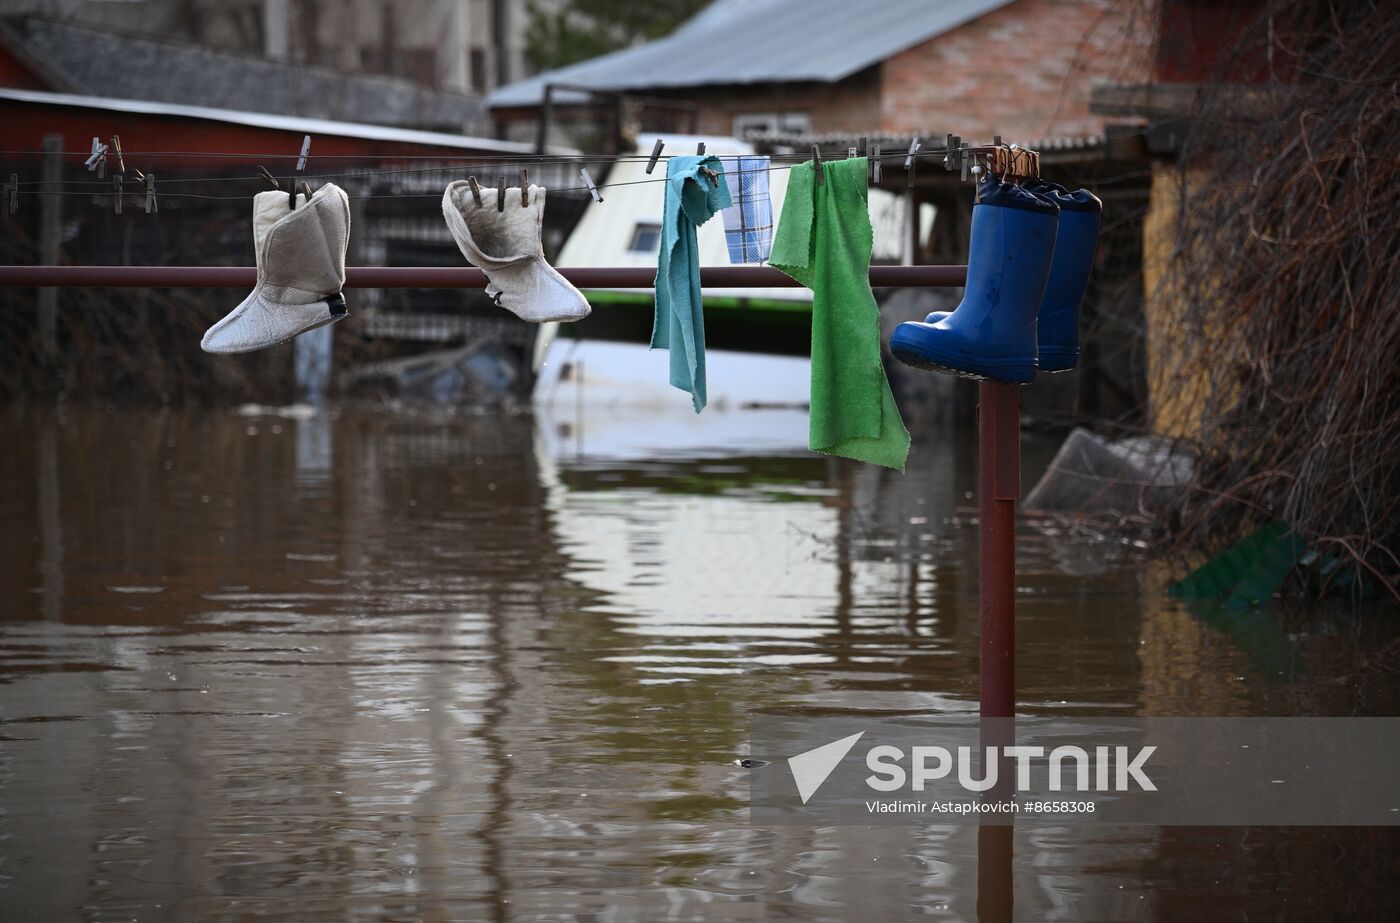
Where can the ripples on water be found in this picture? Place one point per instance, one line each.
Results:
(373, 664)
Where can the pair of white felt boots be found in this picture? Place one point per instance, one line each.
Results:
(301, 263)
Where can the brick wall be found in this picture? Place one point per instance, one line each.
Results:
(1023, 71)
(847, 105)
(851, 105)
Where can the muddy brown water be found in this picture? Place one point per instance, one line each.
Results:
(372, 664)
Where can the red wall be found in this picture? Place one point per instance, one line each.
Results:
(23, 126)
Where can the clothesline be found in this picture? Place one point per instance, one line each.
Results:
(823, 242)
(101, 187)
(485, 164)
(470, 158)
(106, 183)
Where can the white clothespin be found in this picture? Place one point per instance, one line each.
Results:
(851, 153)
(151, 204)
(97, 160)
(305, 149)
(655, 153)
(592, 186)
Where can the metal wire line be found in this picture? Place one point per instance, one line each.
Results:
(501, 158)
(103, 187)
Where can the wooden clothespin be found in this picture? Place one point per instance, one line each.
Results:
(914, 146)
(151, 205)
(305, 149)
(306, 191)
(116, 193)
(656, 153)
(268, 177)
(501, 193)
(592, 187)
(117, 150)
(817, 164)
(875, 164)
(700, 149)
(524, 190)
(476, 190)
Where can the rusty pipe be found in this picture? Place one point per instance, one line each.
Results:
(445, 277)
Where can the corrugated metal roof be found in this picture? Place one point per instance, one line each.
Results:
(762, 41)
(325, 127)
(92, 61)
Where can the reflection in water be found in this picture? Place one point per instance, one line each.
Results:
(360, 663)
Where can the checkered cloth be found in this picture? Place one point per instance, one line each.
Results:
(748, 223)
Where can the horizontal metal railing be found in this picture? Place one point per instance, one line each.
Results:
(446, 277)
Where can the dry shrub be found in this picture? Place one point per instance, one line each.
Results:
(1288, 275)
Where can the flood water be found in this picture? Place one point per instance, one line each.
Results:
(410, 665)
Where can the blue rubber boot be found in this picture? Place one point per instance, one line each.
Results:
(1057, 334)
(992, 333)
(1075, 245)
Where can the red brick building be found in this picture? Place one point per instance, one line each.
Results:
(1023, 69)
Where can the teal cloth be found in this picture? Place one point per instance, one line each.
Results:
(691, 200)
(823, 241)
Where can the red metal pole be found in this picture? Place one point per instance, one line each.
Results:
(445, 277)
(998, 488)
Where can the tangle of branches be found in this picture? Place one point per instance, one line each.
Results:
(1287, 278)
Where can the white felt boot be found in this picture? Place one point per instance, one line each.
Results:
(301, 270)
(506, 246)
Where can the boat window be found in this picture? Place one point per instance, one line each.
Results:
(646, 237)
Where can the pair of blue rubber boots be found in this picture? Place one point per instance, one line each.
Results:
(1028, 265)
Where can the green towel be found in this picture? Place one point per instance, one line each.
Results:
(823, 241)
(679, 325)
